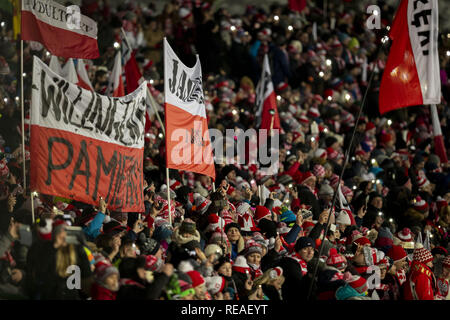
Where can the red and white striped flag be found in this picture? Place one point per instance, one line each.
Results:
(62, 30)
(83, 78)
(115, 85)
(266, 101)
(412, 76)
(188, 145)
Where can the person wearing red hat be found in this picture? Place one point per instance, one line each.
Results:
(421, 283)
(199, 284)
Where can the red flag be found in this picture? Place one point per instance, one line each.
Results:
(297, 5)
(55, 26)
(115, 86)
(411, 76)
(266, 100)
(188, 144)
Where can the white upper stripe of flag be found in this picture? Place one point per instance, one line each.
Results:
(193, 98)
(55, 14)
(427, 65)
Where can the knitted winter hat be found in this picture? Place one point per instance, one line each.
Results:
(405, 235)
(343, 218)
(104, 269)
(188, 226)
(261, 212)
(247, 223)
(446, 262)
(240, 265)
(276, 272)
(336, 260)
(213, 249)
(358, 283)
(326, 189)
(372, 256)
(196, 278)
(201, 203)
(242, 207)
(422, 181)
(251, 246)
(422, 255)
(319, 171)
(397, 253)
(215, 284)
(420, 204)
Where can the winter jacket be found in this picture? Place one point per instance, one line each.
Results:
(421, 284)
(98, 292)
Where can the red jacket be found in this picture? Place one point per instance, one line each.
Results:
(99, 292)
(422, 278)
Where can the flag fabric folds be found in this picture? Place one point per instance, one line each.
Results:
(62, 30)
(411, 76)
(188, 145)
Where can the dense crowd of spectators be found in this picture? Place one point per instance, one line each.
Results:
(256, 237)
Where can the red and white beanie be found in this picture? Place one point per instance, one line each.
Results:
(242, 208)
(358, 283)
(334, 180)
(251, 246)
(217, 238)
(215, 284)
(336, 260)
(446, 262)
(422, 255)
(174, 184)
(420, 204)
(201, 203)
(346, 191)
(184, 13)
(196, 277)
(303, 119)
(343, 218)
(422, 181)
(216, 223)
(313, 113)
(283, 229)
(276, 272)
(319, 171)
(45, 229)
(405, 235)
(241, 265)
(332, 154)
(104, 269)
(320, 153)
(372, 256)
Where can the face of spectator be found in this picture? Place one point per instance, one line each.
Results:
(200, 291)
(232, 175)
(446, 273)
(112, 282)
(307, 253)
(233, 234)
(254, 258)
(401, 264)
(383, 272)
(377, 202)
(225, 269)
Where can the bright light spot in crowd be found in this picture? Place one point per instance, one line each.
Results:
(373, 161)
(288, 152)
(431, 236)
(3, 24)
(24, 74)
(233, 28)
(313, 139)
(353, 158)
(152, 81)
(147, 135)
(17, 98)
(116, 45)
(5, 99)
(276, 18)
(328, 62)
(290, 28)
(347, 97)
(385, 39)
(47, 53)
(279, 98)
(388, 28)
(389, 122)
(354, 188)
(35, 194)
(448, 35)
(242, 110)
(378, 181)
(321, 74)
(391, 220)
(373, 181)
(290, 185)
(330, 98)
(448, 53)
(375, 12)
(325, 130)
(287, 201)
(234, 112)
(160, 135)
(380, 213)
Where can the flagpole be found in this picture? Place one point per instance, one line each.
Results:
(23, 119)
(32, 207)
(168, 196)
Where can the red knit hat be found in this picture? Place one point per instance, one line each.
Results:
(276, 272)
(196, 278)
(308, 175)
(397, 253)
(261, 212)
(422, 181)
(336, 260)
(319, 170)
(420, 204)
(422, 255)
(362, 241)
(240, 265)
(369, 126)
(358, 283)
(405, 235)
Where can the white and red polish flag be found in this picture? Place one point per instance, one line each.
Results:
(188, 145)
(83, 78)
(85, 145)
(70, 73)
(412, 76)
(115, 85)
(64, 31)
(266, 101)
